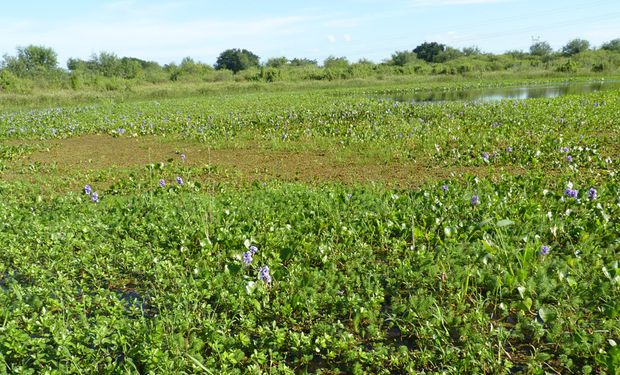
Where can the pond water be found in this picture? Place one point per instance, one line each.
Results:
(499, 93)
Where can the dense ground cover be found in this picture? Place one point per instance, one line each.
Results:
(491, 246)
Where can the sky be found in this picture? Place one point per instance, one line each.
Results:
(166, 31)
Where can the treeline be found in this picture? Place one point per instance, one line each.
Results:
(37, 66)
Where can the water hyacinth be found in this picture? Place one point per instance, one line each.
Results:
(569, 158)
(508, 149)
(592, 193)
(570, 192)
(253, 250)
(94, 197)
(444, 188)
(544, 250)
(247, 258)
(566, 150)
(474, 200)
(162, 182)
(263, 274)
(485, 156)
(179, 180)
(87, 189)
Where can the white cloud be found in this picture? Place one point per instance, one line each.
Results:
(346, 37)
(153, 38)
(331, 38)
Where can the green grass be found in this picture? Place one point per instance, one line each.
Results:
(366, 278)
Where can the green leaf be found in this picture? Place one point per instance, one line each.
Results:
(504, 223)
(285, 253)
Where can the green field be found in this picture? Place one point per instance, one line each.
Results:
(454, 237)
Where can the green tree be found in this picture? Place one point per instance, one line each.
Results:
(303, 62)
(31, 60)
(471, 51)
(575, 46)
(612, 45)
(333, 62)
(276, 62)
(540, 49)
(428, 51)
(236, 60)
(447, 54)
(75, 64)
(402, 58)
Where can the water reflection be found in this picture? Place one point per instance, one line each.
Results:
(494, 94)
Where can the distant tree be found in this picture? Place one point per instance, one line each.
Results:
(75, 64)
(402, 58)
(333, 62)
(612, 45)
(447, 54)
(31, 60)
(236, 60)
(364, 61)
(276, 62)
(303, 62)
(471, 51)
(189, 66)
(516, 54)
(428, 51)
(106, 63)
(540, 49)
(575, 46)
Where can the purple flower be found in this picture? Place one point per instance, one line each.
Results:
(485, 156)
(162, 182)
(566, 150)
(544, 250)
(571, 193)
(508, 149)
(263, 274)
(247, 258)
(592, 194)
(179, 180)
(87, 189)
(444, 188)
(183, 157)
(253, 250)
(569, 158)
(475, 200)
(94, 197)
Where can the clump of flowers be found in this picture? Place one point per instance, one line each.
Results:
(263, 274)
(247, 258)
(570, 192)
(569, 158)
(179, 180)
(592, 194)
(474, 200)
(248, 255)
(94, 197)
(544, 250)
(162, 183)
(87, 189)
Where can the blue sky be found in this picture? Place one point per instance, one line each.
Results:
(166, 31)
